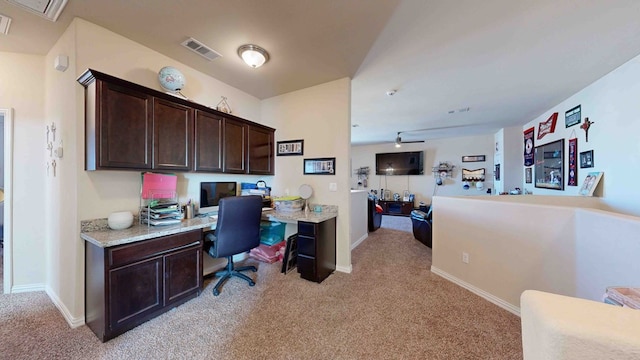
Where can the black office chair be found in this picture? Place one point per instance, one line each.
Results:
(237, 231)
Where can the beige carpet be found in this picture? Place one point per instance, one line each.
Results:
(389, 307)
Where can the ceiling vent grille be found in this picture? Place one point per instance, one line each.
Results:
(49, 9)
(5, 21)
(200, 49)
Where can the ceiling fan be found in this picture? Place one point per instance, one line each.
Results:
(399, 140)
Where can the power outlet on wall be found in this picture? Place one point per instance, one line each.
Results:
(465, 257)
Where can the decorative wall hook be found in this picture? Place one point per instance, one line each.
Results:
(585, 126)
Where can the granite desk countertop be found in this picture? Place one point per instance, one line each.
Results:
(98, 233)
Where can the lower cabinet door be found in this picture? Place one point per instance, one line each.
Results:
(307, 267)
(135, 290)
(183, 274)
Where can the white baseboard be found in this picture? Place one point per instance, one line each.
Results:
(73, 322)
(345, 269)
(27, 288)
(359, 241)
(483, 294)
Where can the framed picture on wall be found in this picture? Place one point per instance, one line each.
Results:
(290, 147)
(549, 165)
(586, 159)
(320, 166)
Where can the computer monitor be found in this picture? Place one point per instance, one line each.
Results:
(211, 193)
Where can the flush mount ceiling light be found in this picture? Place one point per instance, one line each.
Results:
(253, 55)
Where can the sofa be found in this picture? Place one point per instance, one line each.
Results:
(374, 214)
(421, 225)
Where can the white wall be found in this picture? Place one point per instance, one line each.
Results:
(359, 229)
(516, 243)
(319, 115)
(612, 104)
(436, 151)
(509, 154)
(21, 89)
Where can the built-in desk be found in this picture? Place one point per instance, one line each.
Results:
(136, 274)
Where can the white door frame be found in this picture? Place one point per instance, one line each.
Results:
(8, 199)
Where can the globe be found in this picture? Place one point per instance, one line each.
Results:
(171, 79)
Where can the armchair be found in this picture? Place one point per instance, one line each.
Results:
(421, 225)
(237, 231)
(374, 218)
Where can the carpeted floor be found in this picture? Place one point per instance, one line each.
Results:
(390, 307)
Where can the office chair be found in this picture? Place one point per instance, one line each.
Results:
(237, 231)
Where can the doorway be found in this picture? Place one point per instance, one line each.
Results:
(6, 214)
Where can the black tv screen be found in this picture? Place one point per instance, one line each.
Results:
(400, 163)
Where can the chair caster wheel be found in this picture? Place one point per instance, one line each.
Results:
(216, 292)
(252, 283)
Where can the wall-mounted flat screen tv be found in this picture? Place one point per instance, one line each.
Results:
(400, 163)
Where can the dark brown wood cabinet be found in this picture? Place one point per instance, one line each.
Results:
(131, 127)
(235, 146)
(208, 142)
(118, 128)
(396, 207)
(316, 257)
(261, 160)
(172, 136)
(128, 284)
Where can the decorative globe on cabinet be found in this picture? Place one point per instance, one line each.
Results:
(171, 79)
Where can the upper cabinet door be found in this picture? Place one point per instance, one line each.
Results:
(261, 160)
(123, 129)
(208, 142)
(235, 146)
(172, 136)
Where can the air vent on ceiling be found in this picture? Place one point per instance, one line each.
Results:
(49, 9)
(200, 49)
(5, 21)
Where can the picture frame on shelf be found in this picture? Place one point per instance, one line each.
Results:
(319, 166)
(590, 183)
(586, 159)
(290, 147)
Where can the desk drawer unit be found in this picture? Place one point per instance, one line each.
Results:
(316, 249)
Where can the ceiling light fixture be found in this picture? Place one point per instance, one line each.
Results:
(253, 55)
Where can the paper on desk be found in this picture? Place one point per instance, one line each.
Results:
(158, 186)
